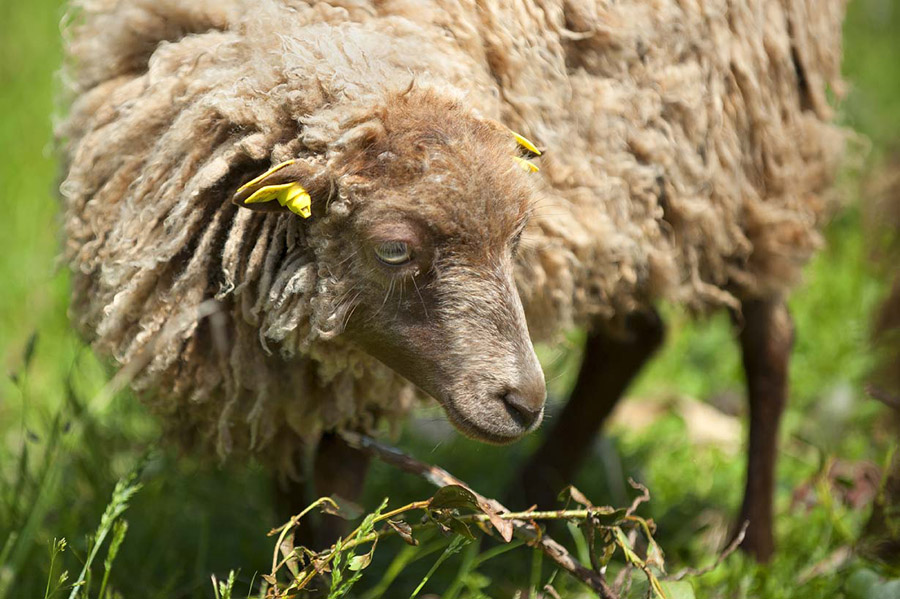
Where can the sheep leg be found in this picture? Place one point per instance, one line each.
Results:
(339, 470)
(607, 368)
(766, 340)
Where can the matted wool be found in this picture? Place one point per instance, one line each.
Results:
(689, 153)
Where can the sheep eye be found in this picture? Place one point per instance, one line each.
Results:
(393, 253)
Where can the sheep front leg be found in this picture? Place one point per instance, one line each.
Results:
(340, 470)
(766, 341)
(608, 366)
(337, 469)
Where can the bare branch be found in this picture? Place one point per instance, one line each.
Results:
(888, 399)
(732, 547)
(643, 497)
(551, 591)
(619, 582)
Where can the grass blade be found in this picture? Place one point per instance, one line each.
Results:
(122, 494)
(455, 545)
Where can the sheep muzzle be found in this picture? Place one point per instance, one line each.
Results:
(464, 341)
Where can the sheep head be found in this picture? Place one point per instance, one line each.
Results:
(426, 253)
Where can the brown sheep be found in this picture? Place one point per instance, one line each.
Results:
(395, 237)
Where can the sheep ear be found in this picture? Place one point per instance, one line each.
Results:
(276, 190)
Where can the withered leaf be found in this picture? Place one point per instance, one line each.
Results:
(402, 528)
(655, 556)
(576, 495)
(287, 551)
(346, 509)
(504, 527)
(609, 548)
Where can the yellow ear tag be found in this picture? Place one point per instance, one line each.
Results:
(290, 195)
(528, 167)
(526, 143)
(299, 202)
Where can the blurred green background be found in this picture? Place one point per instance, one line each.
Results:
(63, 447)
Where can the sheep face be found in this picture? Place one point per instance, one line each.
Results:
(425, 257)
(431, 253)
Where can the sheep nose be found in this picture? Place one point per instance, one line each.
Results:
(526, 406)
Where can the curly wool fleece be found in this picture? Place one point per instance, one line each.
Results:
(689, 150)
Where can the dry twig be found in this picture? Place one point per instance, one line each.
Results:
(732, 547)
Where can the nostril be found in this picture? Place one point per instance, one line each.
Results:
(524, 412)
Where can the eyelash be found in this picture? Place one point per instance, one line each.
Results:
(384, 251)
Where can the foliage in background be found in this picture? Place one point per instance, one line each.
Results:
(63, 446)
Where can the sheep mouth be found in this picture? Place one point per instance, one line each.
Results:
(477, 431)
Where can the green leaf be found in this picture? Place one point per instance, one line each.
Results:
(360, 562)
(454, 497)
(634, 558)
(340, 585)
(607, 516)
(225, 587)
(458, 526)
(667, 589)
(622, 541)
(866, 584)
(677, 589)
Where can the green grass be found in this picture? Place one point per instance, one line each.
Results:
(63, 449)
